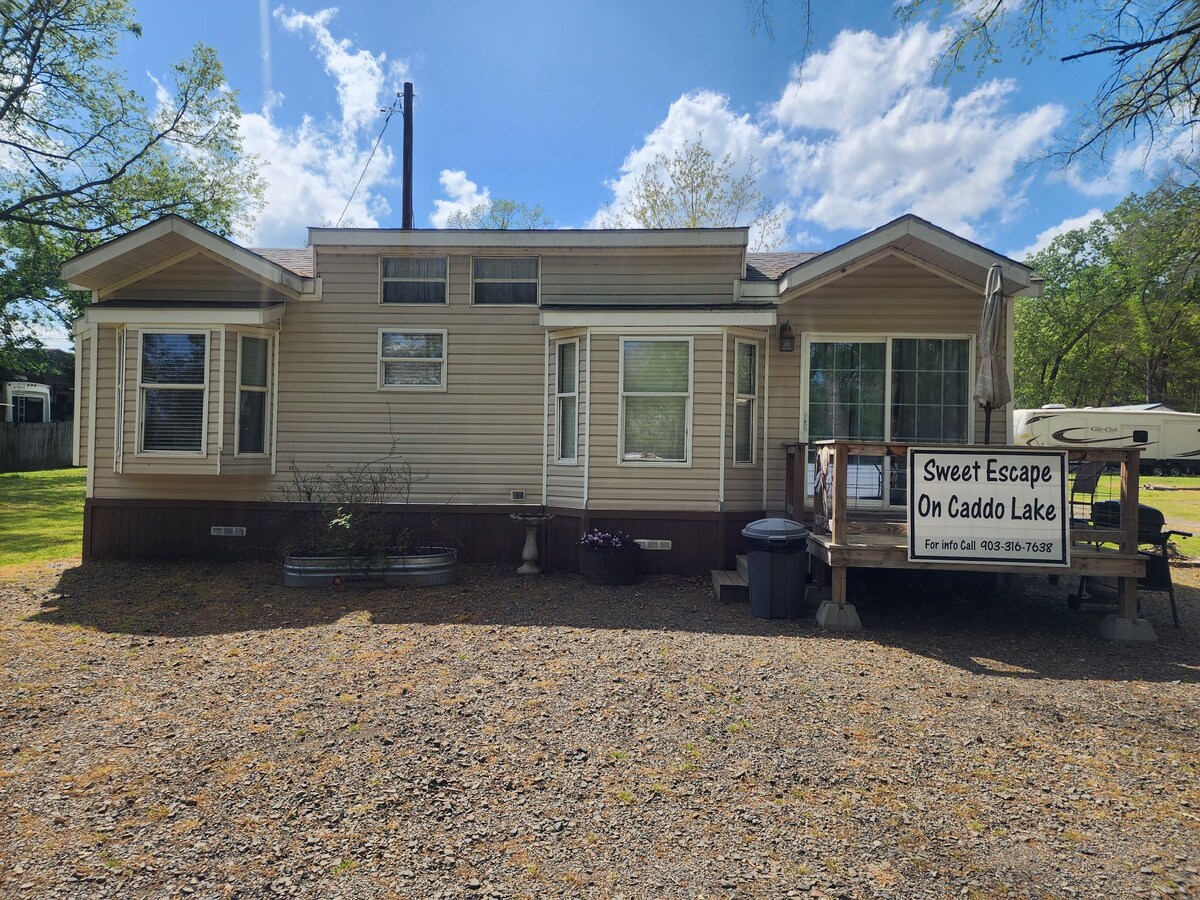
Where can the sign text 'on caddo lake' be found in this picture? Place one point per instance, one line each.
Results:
(1007, 507)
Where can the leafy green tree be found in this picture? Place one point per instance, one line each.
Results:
(83, 157)
(1151, 49)
(691, 188)
(1119, 320)
(501, 214)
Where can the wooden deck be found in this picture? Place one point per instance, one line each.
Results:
(844, 538)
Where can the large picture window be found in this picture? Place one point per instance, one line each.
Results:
(874, 388)
(745, 402)
(656, 399)
(567, 402)
(412, 360)
(412, 279)
(254, 378)
(504, 281)
(173, 376)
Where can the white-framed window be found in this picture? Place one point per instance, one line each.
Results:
(173, 392)
(566, 418)
(413, 279)
(254, 395)
(914, 388)
(412, 359)
(656, 400)
(745, 402)
(504, 280)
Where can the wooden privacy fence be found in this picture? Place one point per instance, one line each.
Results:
(28, 446)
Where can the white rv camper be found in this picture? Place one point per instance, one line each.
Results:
(1169, 440)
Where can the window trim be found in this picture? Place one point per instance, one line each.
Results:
(380, 359)
(559, 396)
(537, 282)
(238, 453)
(886, 338)
(139, 409)
(382, 280)
(753, 404)
(621, 395)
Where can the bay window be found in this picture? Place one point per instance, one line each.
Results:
(656, 399)
(253, 403)
(745, 402)
(172, 391)
(567, 402)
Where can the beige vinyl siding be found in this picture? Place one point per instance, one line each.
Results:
(645, 278)
(743, 482)
(891, 296)
(473, 443)
(564, 482)
(654, 487)
(199, 277)
(85, 346)
(105, 387)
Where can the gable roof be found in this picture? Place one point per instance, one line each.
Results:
(925, 244)
(157, 244)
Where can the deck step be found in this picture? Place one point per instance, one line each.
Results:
(730, 587)
(742, 568)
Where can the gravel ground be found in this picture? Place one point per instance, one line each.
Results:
(198, 730)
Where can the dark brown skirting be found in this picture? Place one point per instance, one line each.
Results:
(180, 529)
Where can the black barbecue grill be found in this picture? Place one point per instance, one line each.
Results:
(1151, 533)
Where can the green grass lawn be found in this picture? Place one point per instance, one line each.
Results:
(41, 515)
(1179, 502)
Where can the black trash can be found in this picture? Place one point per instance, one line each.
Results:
(777, 554)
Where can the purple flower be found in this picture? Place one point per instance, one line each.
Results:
(597, 539)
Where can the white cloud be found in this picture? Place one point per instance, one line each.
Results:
(360, 74)
(861, 134)
(725, 132)
(312, 168)
(462, 194)
(1045, 237)
(891, 142)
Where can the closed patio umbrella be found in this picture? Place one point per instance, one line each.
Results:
(992, 390)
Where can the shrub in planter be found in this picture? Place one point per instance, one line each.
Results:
(356, 524)
(608, 557)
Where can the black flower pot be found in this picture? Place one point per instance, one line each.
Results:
(609, 566)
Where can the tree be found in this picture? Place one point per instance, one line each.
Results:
(84, 158)
(501, 214)
(692, 189)
(1119, 319)
(1152, 51)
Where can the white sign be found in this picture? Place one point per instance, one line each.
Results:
(1007, 507)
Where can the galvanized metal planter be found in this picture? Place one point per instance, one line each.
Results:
(435, 565)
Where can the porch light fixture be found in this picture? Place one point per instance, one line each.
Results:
(787, 339)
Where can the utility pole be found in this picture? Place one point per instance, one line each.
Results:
(406, 196)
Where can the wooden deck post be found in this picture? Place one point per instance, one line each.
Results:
(1127, 601)
(838, 592)
(837, 516)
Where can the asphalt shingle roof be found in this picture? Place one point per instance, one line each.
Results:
(295, 260)
(769, 266)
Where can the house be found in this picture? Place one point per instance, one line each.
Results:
(47, 396)
(666, 383)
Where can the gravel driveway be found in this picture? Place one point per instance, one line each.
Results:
(198, 730)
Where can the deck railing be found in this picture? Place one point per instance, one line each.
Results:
(831, 510)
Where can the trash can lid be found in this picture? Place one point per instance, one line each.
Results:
(775, 530)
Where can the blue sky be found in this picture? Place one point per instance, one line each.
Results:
(564, 103)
